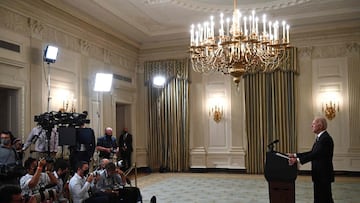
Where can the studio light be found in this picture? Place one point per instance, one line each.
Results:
(103, 82)
(158, 81)
(50, 54)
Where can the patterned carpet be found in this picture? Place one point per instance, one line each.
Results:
(233, 188)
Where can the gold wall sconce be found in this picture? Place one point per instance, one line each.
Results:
(217, 112)
(330, 108)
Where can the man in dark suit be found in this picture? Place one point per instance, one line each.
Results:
(125, 145)
(321, 156)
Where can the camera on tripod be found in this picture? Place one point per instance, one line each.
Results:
(48, 120)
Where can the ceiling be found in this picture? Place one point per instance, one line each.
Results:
(151, 21)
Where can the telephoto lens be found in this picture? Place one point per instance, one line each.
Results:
(119, 164)
(49, 194)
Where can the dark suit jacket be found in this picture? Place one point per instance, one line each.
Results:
(127, 141)
(321, 156)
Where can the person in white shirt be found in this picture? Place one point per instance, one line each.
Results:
(101, 167)
(80, 185)
(42, 144)
(61, 169)
(35, 179)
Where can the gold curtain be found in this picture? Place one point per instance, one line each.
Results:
(168, 141)
(270, 112)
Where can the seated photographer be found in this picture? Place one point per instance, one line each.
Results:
(36, 181)
(101, 167)
(110, 181)
(80, 185)
(8, 160)
(61, 169)
(12, 194)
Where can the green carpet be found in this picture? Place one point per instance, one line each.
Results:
(232, 188)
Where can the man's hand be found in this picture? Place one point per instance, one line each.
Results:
(291, 155)
(292, 161)
(32, 199)
(42, 162)
(90, 178)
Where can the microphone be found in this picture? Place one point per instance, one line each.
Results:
(273, 142)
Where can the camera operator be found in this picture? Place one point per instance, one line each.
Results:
(107, 145)
(85, 146)
(35, 181)
(42, 142)
(8, 160)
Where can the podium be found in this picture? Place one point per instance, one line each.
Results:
(281, 178)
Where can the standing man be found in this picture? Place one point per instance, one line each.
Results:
(8, 159)
(43, 145)
(107, 145)
(321, 156)
(125, 145)
(85, 146)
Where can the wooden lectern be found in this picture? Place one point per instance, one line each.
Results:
(281, 177)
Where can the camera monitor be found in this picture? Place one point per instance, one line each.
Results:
(67, 136)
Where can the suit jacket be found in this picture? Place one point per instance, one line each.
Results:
(321, 156)
(126, 142)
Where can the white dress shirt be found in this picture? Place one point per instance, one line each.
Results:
(41, 145)
(79, 188)
(24, 184)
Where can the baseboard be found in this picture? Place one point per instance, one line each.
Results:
(336, 173)
(216, 170)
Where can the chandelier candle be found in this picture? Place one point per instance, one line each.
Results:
(238, 49)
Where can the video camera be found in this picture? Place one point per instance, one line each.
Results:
(48, 120)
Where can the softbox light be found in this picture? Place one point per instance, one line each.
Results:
(50, 54)
(103, 82)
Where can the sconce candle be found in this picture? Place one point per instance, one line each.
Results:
(330, 109)
(217, 113)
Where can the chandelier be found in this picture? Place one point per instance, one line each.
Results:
(244, 45)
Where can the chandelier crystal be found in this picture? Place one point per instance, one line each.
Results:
(243, 45)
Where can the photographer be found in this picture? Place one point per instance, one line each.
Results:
(80, 185)
(107, 144)
(35, 181)
(12, 193)
(111, 178)
(61, 170)
(8, 160)
(110, 181)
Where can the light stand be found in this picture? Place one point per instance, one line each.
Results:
(103, 82)
(50, 55)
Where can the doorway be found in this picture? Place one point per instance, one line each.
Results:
(9, 120)
(123, 118)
